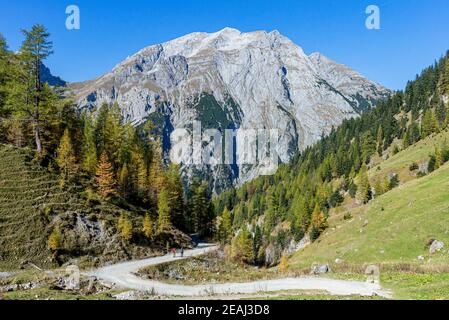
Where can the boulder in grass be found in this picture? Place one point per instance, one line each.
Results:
(436, 246)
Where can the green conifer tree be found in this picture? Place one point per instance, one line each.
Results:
(33, 98)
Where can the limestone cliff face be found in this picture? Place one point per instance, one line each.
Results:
(230, 79)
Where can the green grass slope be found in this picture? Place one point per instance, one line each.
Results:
(32, 205)
(25, 191)
(400, 163)
(392, 229)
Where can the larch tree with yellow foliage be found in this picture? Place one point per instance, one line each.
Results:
(318, 223)
(364, 187)
(125, 227)
(225, 227)
(54, 240)
(66, 159)
(141, 174)
(283, 264)
(104, 178)
(157, 175)
(163, 209)
(125, 181)
(147, 228)
(242, 247)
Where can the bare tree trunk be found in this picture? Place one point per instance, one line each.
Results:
(36, 115)
(37, 139)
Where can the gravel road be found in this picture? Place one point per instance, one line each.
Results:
(123, 275)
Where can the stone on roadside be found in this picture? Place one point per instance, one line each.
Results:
(128, 295)
(320, 269)
(6, 274)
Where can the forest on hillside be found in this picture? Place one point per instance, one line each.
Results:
(107, 159)
(265, 218)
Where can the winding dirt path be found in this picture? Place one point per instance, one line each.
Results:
(122, 275)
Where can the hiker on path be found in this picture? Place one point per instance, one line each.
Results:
(182, 252)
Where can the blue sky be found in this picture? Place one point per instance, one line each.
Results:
(413, 32)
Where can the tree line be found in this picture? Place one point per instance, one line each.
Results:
(272, 211)
(111, 160)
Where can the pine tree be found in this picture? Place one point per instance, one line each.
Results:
(104, 178)
(434, 123)
(242, 247)
(201, 213)
(257, 242)
(438, 158)
(379, 188)
(66, 159)
(441, 113)
(413, 134)
(432, 164)
(445, 152)
(163, 209)
(4, 71)
(386, 185)
(98, 127)
(380, 141)
(130, 142)
(447, 116)
(302, 213)
(39, 100)
(444, 88)
(147, 228)
(429, 123)
(176, 194)
(364, 188)
(125, 181)
(113, 132)
(368, 147)
(393, 182)
(15, 133)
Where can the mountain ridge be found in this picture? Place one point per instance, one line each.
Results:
(257, 80)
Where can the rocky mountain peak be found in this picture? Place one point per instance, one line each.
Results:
(233, 79)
